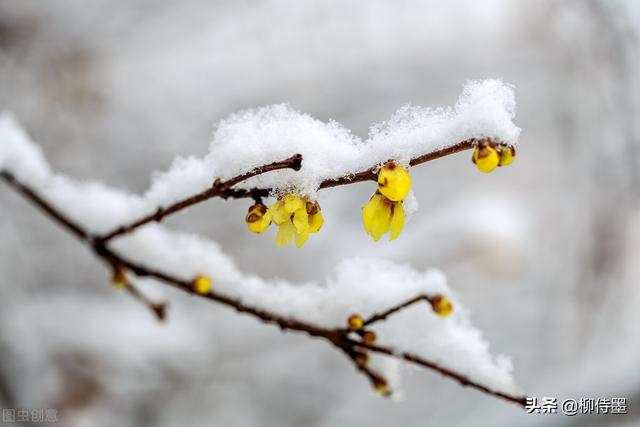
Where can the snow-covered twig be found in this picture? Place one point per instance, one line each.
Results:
(218, 189)
(245, 162)
(356, 349)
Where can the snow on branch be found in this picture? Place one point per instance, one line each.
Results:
(275, 151)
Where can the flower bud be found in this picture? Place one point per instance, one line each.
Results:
(369, 337)
(381, 386)
(394, 182)
(202, 285)
(258, 218)
(119, 279)
(485, 157)
(441, 305)
(355, 322)
(507, 155)
(361, 359)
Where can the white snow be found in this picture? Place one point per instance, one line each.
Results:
(256, 137)
(356, 285)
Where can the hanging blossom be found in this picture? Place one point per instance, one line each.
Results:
(295, 216)
(384, 213)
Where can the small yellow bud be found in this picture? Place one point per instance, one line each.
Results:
(380, 215)
(380, 385)
(507, 155)
(369, 337)
(441, 305)
(202, 285)
(119, 279)
(355, 322)
(486, 157)
(258, 218)
(394, 182)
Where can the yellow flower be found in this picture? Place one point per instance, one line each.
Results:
(507, 155)
(441, 305)
(381, 215)
(394, 182)
(296, 218)
(258, 218)
(355, 322)
(202, 285)
(486, 157)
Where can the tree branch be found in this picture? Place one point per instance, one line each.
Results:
(392, 310)
(356, 349)
(218, 189)
(226, 190)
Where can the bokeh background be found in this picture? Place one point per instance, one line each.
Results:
(545, 253)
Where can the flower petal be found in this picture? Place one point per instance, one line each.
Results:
(301, 220)
(285, 233)
(278, 213)
(292, 203)
(376, 216)
(301, 238)
(397, 220)
(315, 222)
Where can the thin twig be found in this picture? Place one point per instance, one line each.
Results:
(417, 360)
(71, 226)
(383, 315)
(159, 309)
(218, 189)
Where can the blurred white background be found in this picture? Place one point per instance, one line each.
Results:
(545, 253)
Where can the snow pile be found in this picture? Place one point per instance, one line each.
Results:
(256, 137)
(260, 136)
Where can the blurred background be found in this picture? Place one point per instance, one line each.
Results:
(545, 253)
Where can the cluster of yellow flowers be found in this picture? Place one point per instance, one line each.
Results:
(384, 212)
(489, 155)
(296, 216)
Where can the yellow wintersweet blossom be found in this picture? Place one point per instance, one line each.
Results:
(296, 218)
(258, 218)
(486, 157)
(507, 155)
(381, 215)
(394, 182)
(384, 213)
